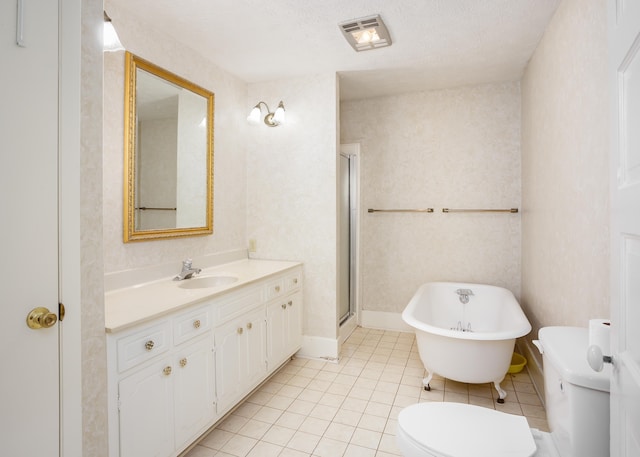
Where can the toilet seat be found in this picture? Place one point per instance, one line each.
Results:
(461, 430)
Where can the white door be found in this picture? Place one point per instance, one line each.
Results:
(276, 333)
(624, 43)
(29, 385)
(253, 348)
(194, 387)
(146, 411)
(229, 358)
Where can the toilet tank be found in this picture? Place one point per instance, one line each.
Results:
(576, 397)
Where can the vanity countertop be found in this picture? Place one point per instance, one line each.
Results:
(140, 303)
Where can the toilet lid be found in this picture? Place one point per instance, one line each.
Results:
(461, 430)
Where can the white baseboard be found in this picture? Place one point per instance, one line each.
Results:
(346, 329)
(534, 365)
(317, 347)
(384, 321)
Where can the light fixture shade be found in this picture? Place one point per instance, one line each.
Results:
(272, 119)
(279, 115)
(366, 33)
(254, 116)
(111, 42)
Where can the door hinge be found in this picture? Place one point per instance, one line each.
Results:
(61, 312)
(119, 403)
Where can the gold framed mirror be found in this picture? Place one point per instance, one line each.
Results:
(168, 154)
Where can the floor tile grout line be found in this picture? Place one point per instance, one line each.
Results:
(402, 358)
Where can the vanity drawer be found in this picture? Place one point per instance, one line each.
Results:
(143, 345)
(230, 307)
(275, 288)
(293, 281)
(191, 324)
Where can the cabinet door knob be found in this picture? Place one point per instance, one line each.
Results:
(196, 323)
(295, 280)
(290, 303)
(277, 288)
(249, 326)
(149, 345)
(183, 362)
(240, 330)
(284, 306)
(167, 370)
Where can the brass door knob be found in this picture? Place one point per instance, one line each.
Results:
(41, 318)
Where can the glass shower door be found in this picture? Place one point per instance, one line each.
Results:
(345, 283)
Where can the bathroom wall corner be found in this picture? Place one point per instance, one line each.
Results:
(291, 190)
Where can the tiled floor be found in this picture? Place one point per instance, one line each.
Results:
(324, 409)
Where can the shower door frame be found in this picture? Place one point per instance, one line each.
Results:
(347, 322)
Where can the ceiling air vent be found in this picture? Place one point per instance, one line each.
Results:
(366, 33)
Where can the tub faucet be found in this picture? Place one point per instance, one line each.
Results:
(464, 295)
(187, 271)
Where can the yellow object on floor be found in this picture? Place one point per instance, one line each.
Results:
(517, 363)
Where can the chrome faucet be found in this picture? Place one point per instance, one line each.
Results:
(187, 271)
(464, 295)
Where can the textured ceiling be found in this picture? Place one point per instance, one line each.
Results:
(436, 43)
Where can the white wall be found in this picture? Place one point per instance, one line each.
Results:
(291, 182)
(565, 171)
(230, 130)
(92, 345)
(454, 148)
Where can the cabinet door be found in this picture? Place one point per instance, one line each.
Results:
(193, 389)
(146, 412)
(254, 348)
(228, 363)
(277, 332)
(294, 323)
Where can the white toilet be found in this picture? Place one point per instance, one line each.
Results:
(577, 406)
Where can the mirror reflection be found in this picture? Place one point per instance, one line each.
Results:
(168, 154)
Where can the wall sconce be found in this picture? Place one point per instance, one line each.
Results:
(111, 42)
(271, 119)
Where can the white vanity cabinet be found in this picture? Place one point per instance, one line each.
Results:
(173, 376)
(194, 390)
(163, 405)
(240, 357)
(284, 323)
(166, 392)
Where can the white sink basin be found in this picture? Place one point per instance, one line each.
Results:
(203, 282)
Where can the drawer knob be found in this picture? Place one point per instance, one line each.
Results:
(149, 345)
(196, 323)
(183, 362)
(249, 326)
(240, 330)
(290, 303)
(284, 306)
(277, 288)
(295, 280)
(167, 370)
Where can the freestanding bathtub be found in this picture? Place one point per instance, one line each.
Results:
(466, 332)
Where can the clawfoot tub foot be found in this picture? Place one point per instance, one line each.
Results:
(425, 382)
(501, 392)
